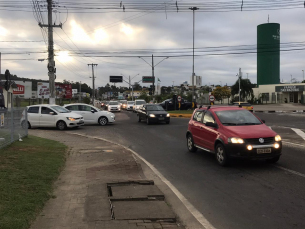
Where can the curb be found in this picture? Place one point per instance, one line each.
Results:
(291, 111)
(181, 115)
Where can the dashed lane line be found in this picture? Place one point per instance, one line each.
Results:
(200, 218)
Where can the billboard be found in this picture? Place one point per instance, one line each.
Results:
(43, 90)
(23, 90)
(63, 91)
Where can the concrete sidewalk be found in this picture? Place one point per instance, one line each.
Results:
(102, 186)
(280, 108)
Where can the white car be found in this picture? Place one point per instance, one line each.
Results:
(91, 114)
(46, 115)
(130, 105)
(114, 106)
(137, 104)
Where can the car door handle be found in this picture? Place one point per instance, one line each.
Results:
(201, 127)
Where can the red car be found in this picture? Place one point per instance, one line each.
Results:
(232, 132)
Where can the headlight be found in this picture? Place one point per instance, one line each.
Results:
(167, 115)
(276, 145)
(152, 116)
(236, 140)
(71, 119)
(277, 138)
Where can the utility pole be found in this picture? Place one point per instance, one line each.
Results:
(239, 76)
(193, 74)
(51, 62)
(303, 75)
(93, 89)
(80, 89)
(153, 73)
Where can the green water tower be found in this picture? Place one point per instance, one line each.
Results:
(268, 53)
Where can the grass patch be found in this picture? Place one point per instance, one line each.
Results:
(181, 112)
(27, 172)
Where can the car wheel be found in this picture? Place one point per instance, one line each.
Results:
(26, 125)
(147, 121)
(190, 144)
(61, 125)
(139, 119)
(221, 155)
(102, 121)
(273, 160)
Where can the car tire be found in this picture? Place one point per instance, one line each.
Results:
(102, 121)
(147, 121)
(61, 125)
(139, 119)
(24, 123)
(273, 160)
(221, 155)
(190, 144)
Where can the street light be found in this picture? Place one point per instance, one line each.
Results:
(238, 87)
(129, 83)
(193, 74)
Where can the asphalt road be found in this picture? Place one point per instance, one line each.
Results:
(248, 194)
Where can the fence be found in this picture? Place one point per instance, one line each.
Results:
(10, 126)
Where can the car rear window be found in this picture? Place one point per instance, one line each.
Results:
(237, 117)
(140, 102)
(33, 110)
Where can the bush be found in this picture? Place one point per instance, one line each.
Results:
(86, 100)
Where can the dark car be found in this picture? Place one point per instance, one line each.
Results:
(153, 113)
(173, 104)
(232, 132)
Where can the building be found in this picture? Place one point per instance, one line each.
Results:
(197, 81)
(280, 93)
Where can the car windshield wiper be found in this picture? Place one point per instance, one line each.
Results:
(229, 123)
(251, 123)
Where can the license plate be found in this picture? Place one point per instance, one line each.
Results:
(161, 118)
(260, 151)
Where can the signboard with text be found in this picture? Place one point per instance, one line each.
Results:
(43, 90)
(23, 90)
(290, 88)
(148, 79)
(116, 79)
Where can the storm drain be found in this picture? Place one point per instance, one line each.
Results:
(138, 200)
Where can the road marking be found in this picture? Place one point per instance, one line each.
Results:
(200, 218)
(293, 144)
(289, 170)
(299, 132)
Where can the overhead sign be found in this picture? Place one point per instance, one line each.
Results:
(116, 79)
(148, 79)
(290, 88)
(212, 98)
(179, 98)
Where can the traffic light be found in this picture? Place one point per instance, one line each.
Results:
(151, 90)
(7, 84)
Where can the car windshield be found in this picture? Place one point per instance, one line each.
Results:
(237, 118)
(60, 109)
(140, 102)
(130, 102)
(155, 108)
(113, 103)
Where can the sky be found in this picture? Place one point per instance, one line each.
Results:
(122, 41)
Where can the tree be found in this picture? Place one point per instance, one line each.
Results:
(245, 89)
(221, 93)
(144, 96)
(137, 86)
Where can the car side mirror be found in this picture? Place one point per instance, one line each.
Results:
(92, 111)
(211, 124)
(263, 121)
(51, 113)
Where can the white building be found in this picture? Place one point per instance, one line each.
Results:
(281, 93)
(197, 81)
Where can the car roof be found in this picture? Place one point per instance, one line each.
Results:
(47, 105)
